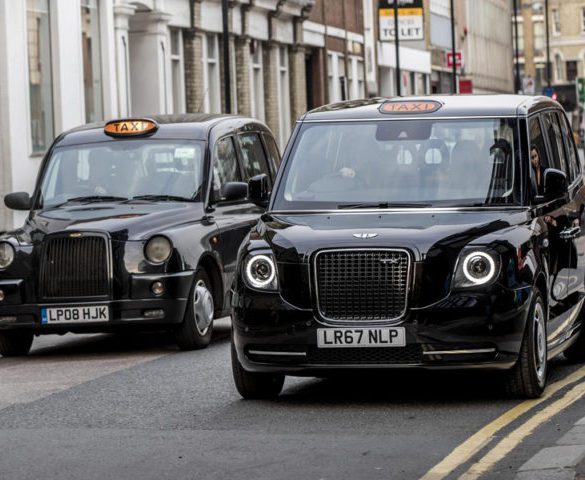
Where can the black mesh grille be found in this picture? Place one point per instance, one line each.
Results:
(362, 284)
(408, 355)
(74, 267)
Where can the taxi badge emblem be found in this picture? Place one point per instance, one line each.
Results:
(365, 235)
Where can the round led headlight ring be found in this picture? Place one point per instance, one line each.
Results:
(158, 249)
(479, 267)
(260, 271)
(6, 254)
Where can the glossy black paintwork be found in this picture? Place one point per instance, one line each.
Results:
(526, 237)
(202, 234)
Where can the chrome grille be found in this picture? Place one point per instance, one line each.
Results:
(74, 267)
(362, 285)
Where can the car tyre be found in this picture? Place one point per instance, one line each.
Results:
(252, 385)
(527, 379)
(15, 343)
(196, 329)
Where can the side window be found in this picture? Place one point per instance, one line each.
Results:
(538, 156)
(253, 155)
(557, 148)
(225, 166)
(273, 152)
(572, 156)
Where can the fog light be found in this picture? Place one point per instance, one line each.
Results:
(158, 313)
(157, 288)
(2, 296)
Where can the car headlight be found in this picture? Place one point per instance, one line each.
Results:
(476, 267)
(260, 272)
(158, 249)
(6, 254)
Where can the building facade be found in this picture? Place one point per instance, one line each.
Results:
(68, 62)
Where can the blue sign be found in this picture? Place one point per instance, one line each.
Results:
(548, 91)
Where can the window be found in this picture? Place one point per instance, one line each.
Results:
(556, 21)
(283, 95)
(538, 156)
(583, 19)
(177, 71)
(39, 74)
(555, 142)
(356, 86)
(337, 80)
(92, 72)
(256, 80)
(520, 38)
(539, 38)
(537, 7)
(253, 156)
(572, 155)
(273, 152)
(225, 166)
(571, 67)
(211, 80)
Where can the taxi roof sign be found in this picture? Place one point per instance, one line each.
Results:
(130, 127)
(410, 106)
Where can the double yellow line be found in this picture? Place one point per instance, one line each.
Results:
(479, 440)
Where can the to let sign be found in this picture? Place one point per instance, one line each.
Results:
(457, 59)
(410, 20)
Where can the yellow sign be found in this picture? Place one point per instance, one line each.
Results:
(131, 127)
(410, 106)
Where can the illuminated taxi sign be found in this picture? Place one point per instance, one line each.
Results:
(410, 106)
(130, 127)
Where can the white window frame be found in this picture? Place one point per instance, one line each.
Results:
(211, 103)
(257, 87)
(583, 19)
(177, 58)
(283, 85)
(556, 21)
(334, 76)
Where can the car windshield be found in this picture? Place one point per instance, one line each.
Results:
(409, 162)
(124, 170)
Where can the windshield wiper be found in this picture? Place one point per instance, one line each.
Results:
(159, 198)
(95, 198)
(350, 206)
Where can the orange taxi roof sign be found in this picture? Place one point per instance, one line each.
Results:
(410, 106)
(130, 127)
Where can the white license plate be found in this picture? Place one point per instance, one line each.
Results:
(361, 337)
(54, 315)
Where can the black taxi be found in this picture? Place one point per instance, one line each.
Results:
(433, 232)
(134, 223)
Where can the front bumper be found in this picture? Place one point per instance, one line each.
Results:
(142, 309)
(465, 330)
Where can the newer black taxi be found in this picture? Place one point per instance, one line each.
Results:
(133, 224)
(435, 232)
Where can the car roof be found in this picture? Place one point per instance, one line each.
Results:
(188, 126)
(451, 106)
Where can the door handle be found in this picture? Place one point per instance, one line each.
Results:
(569, 233)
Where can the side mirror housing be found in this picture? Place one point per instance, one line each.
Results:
(18, 201)
(233, 191)
(555, 183)
(259, 190)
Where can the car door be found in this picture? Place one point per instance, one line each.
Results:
(234, 219)
(575, 233)
(552, 213)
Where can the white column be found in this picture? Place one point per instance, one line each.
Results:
(149, 50)
(122, 13)
(67, 61)
(108, 47)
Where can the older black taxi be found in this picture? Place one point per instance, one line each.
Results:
(133, 224)
(435, 232)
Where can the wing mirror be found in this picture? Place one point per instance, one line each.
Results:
(18, 201)
(259, 190)
(234, 191)
(555, 183)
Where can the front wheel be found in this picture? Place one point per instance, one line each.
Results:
(251, 385)
(15, 343)
(527, 378)
(197, 327)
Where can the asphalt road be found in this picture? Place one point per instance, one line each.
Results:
(134, 407)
